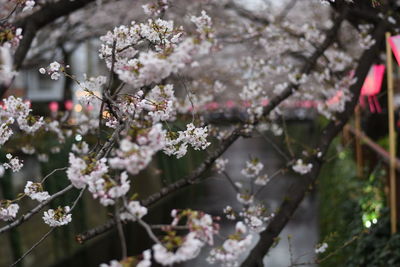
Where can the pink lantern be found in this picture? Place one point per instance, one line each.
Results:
(264, 102)
(394, 42)
(68, 105)
(372, 86)
(53, 106)
(212, 106)
(230, 104)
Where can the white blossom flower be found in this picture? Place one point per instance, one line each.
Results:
(232, 248)
(301, 167)
(57, 217)
(107, 189)
(230, 213)
(189, 249)
(245, 199)
(134, 211)
(253, 168)
(29, 4)
(146, 261)
(35, 191)
(113, 263)
(81, 148)
(8, 210)
(81, 172)
(135, 156)
(262, 180)
(220, 164)
(321, 248)
(14, 163)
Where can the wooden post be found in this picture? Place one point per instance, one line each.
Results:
(392, 137)
(359, 159)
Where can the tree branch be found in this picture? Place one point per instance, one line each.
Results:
(44, 16)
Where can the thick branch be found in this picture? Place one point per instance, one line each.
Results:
(44, 16)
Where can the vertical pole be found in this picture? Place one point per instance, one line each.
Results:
(392, 137)
(359, 159)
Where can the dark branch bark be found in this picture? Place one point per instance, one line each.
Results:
(44, 16)
(299, 189)
(31, 24)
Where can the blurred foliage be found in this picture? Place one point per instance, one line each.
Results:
(354, 219)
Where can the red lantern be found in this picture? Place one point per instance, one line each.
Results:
(53, 106)
(372, 86)
(68, 105)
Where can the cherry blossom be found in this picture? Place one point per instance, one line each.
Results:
(134, 211)
(301, 167)
(228, 254)
(107, 189)
(321, 248)
(14, 163)
(8, 210)
(189, 249)
(253, 168)
(57, 217)
(85, 170)
(35, 191)
(220, 164)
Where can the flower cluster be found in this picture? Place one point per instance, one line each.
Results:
(189, 248)
(135, 156)
(80, 148)
(8, 210)
(28, 5)
(321, 248)
(14, 163)
(9, 36)
(134, 211)
(220, 164)
(156, 8)
(16, 110)
(176, 143)
(35, 191)
(6, 66)
(171, 53)
(301, 167)
(200, 223)
(131, 261)
(366, 40)
(228, 254)
(253, 168)
(262, 180)
(84, 170)
(204, 25)
(91, 89)
(54, 70)
(107, 189)
(58, 217)
(160, 103)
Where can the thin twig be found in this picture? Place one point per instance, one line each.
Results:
(121, 234)
(149, 231)
(33, 247)
(52, 172)
(49, 232)
(231, 181)
(277, 149)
